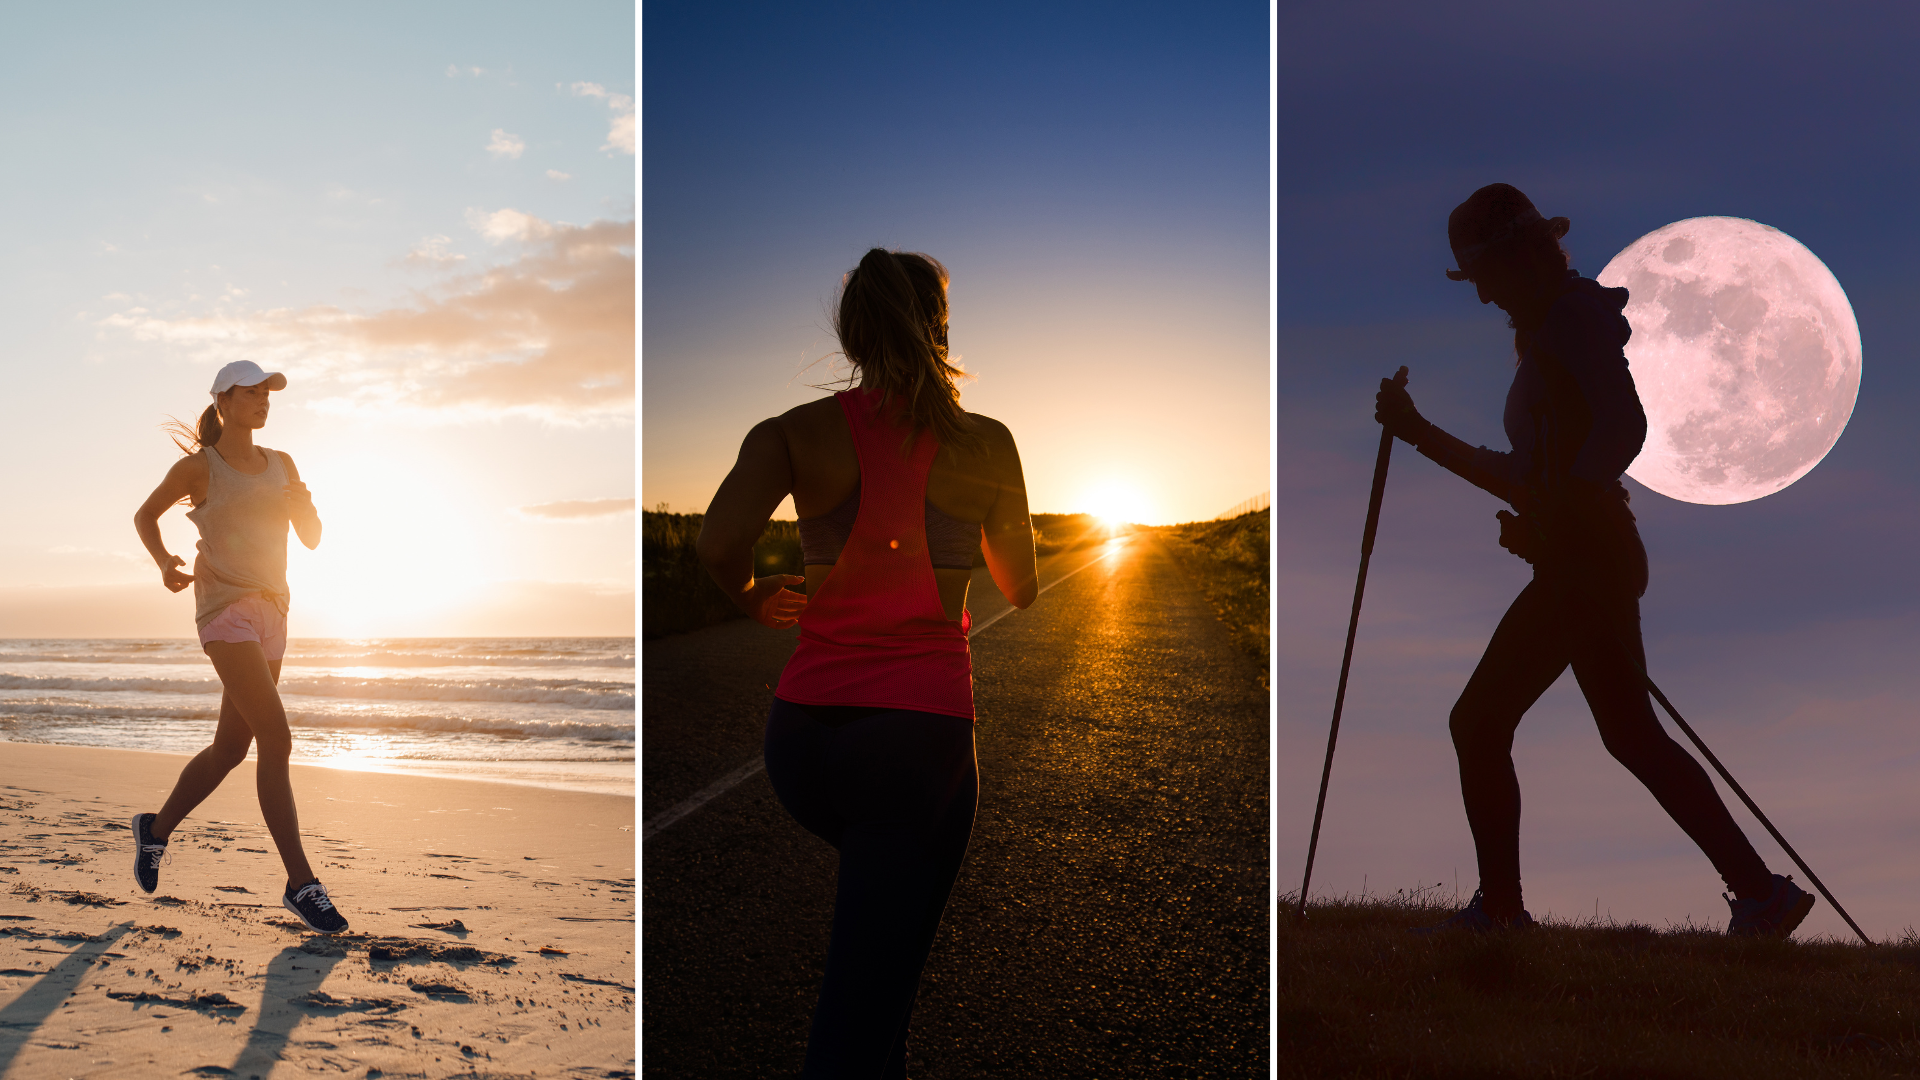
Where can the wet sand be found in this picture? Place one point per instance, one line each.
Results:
(492, 927)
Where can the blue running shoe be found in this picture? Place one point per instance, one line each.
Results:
(315, 908)
(1776, 916)
(1474, 919)
(147, 853)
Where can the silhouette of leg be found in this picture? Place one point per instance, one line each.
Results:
(905, 786)
(1608, 658)
(1527, 653)
(250, 681)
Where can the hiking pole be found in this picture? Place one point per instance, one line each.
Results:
(1740, 791)
(1346, 661)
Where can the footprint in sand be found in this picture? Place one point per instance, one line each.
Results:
(451, 926)
(234, 888)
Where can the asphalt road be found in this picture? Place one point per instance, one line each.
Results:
(1111, 918)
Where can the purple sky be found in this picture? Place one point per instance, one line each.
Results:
(1783, 628)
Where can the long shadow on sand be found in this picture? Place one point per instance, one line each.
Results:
(293, 980)
(24, 1015)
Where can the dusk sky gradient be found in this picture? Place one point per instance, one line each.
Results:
(423, 214)
(1784, 629)
(1093, 175)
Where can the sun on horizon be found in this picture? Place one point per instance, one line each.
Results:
(1117, 502)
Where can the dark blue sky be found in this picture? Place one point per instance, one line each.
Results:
(1094, 175)
(1765, 621)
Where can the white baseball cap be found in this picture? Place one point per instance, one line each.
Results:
(246, 373)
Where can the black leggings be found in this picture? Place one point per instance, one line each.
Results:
(1589, 617)
(895, 792)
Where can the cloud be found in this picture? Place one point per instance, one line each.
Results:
(621, 135)
(505, 145)
(508, 224)
(556, 174)
(549, 334)
(432, 252)
(578, 509)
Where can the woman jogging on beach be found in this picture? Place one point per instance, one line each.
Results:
(1575, 423)
(243, 497)
(870, 738)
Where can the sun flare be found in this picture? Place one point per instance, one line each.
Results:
(396, 551)
(1115, 503)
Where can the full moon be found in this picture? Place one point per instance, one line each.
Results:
(1745, 353)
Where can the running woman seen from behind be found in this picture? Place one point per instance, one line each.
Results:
(243, 499)
(870, 738)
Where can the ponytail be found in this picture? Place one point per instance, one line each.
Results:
(194, 439)
(892, 324)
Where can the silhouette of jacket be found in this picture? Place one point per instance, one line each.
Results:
(1572, 409)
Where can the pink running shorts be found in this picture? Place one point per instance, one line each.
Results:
(250, 619)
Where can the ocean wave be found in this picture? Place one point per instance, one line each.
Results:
(585, 730)
(340, 652)
(577, 693)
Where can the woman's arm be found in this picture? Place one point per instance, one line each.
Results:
(735, 520)
(1007, 533)
(1488, 470)
(177, 485)
(306, 520)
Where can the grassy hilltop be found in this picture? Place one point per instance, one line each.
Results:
(1360, 997)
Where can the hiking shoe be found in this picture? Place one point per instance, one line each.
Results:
(147, 853)
(1474, 919)
(1776, 916)
(315, 908)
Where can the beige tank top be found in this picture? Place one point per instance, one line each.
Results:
(243, 537)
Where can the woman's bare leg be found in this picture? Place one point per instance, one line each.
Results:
(207, 770)
(250, 681)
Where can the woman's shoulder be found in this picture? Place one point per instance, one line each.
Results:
(993, 432)
(190, 466)
(812, 412)
(816, 419)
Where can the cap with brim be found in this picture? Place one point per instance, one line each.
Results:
(1490, 218)
(246, 373)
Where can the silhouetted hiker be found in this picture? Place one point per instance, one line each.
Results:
(243, 497)
(1575, 424)
(870, 738)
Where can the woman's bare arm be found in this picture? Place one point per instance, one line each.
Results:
(178, 484)
(762, 476)
(306, 520)
(1007, 533)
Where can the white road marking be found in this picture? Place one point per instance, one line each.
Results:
(733, 779)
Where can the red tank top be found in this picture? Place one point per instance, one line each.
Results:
(875, 634)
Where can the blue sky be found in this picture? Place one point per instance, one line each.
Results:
(396, 205)
(1094, 176)
(1783, 628)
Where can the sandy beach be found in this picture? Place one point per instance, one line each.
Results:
(492, 928)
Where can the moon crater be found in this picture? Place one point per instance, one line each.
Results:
(1745, 353)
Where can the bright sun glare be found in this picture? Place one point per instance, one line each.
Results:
(1116, 502)
(396, 550)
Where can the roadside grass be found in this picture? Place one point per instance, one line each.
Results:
(1358, 996)
(677, 596)
(1230, 562)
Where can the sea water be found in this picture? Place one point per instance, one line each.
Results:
(551, 712)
